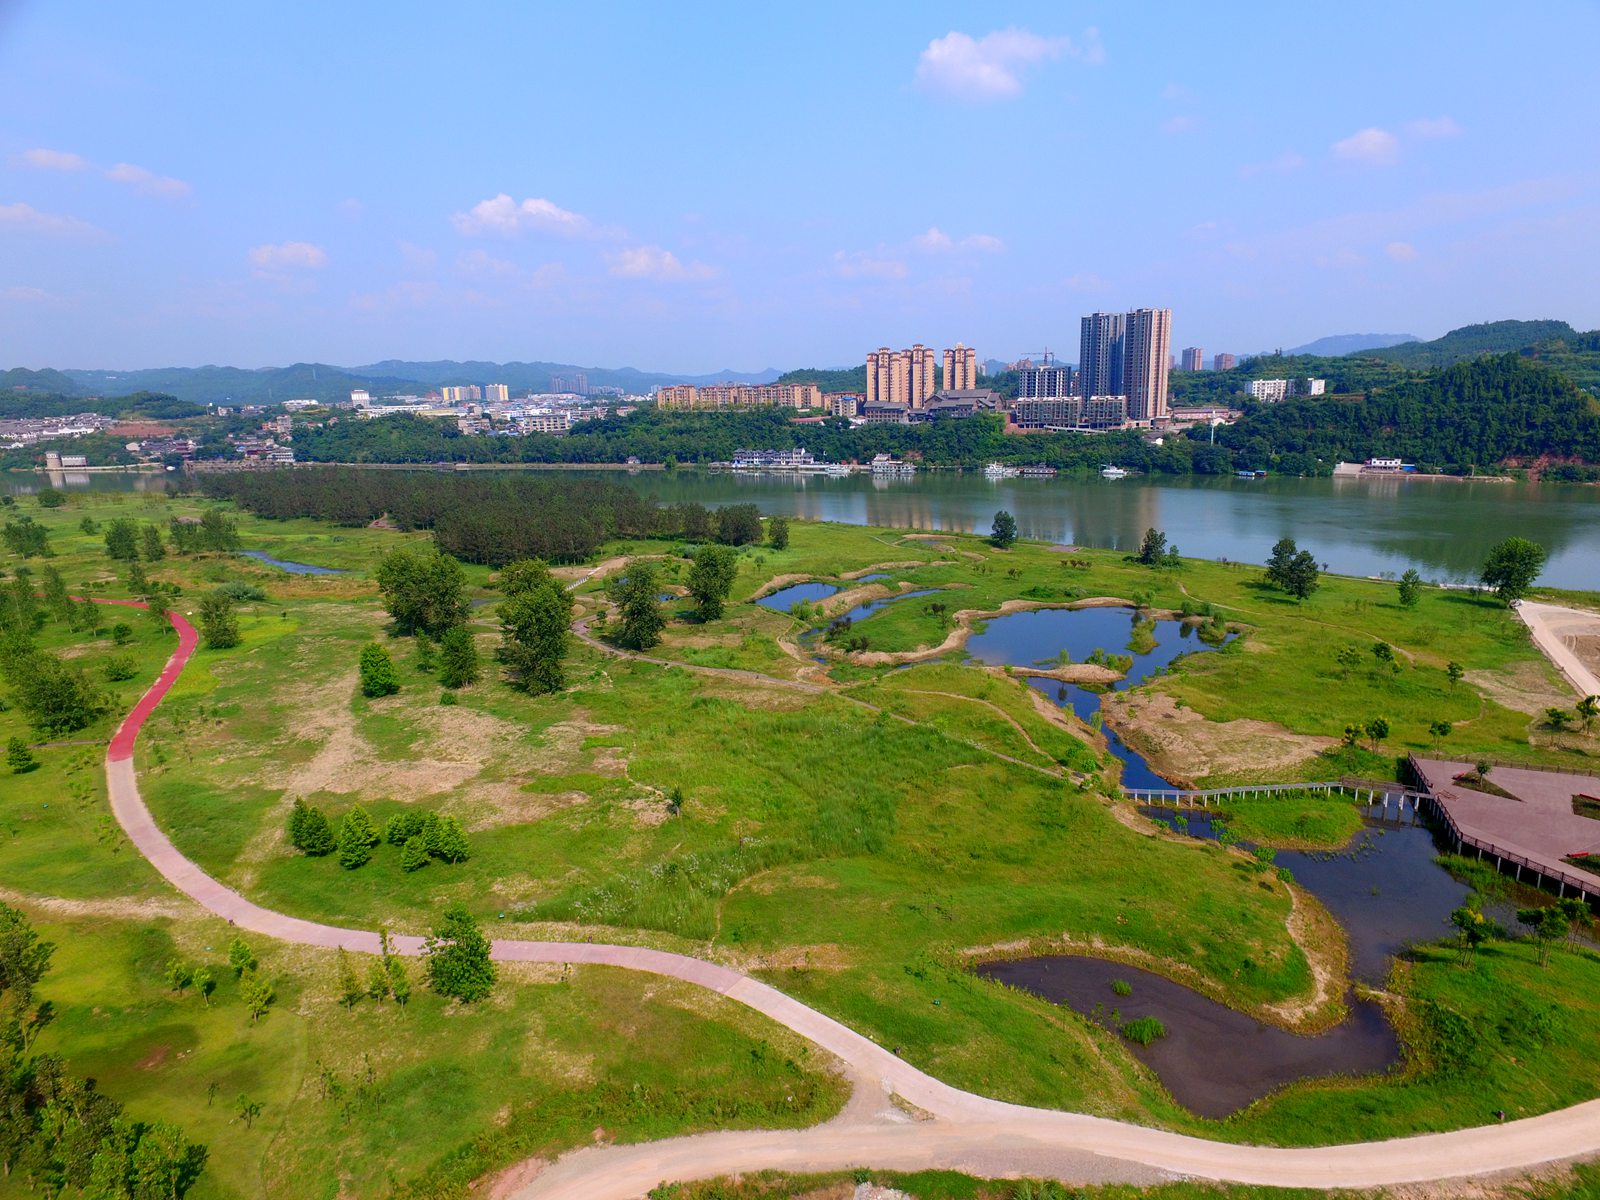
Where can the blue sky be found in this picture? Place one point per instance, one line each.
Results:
(693, 187)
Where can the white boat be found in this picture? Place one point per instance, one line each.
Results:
(836, 469)
(1110, 472)
(999, 471)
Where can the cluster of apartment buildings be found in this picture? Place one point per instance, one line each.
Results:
(1194, 359)
(686, 397)
(26, 431)
(1271, 391)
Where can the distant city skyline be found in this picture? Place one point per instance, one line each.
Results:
(694, 194)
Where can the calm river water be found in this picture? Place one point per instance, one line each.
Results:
(1357, 527)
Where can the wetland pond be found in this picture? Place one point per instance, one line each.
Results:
(1385, 888)
(293, 568)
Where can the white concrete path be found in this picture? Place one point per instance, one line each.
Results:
(1551, 625)
(965, 1131)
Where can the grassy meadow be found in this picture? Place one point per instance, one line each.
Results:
(858, 848)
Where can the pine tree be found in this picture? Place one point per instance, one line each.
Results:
(256, 993)
(448, 841)
(778, 533)
(458, 959)
(414, 854)
(154, 549)
(378, 676)
(218, 621)
(297, 824)
(356, 839)
(458, 658)
(19, 758)
(403, 826)
(316, 833)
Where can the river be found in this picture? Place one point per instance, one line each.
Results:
(1356, 526)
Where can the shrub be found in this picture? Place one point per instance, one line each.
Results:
(119, 667)
(1144, 1030)
(241, 592)
(1122, 987)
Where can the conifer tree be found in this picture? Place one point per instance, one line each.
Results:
(357, 837)
(350, 989)
(414, 854)
(316, 833)
(448, 841)
(378, 676)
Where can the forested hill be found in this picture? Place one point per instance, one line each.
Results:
(1485, 413)
(1475, 341)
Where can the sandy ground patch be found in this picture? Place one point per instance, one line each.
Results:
(117, 909)
(898, 565)
(1072, 673)
(768, 699)
(1527, 687)
(1180, 744)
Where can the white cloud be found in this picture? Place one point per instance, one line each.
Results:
(652, 262)
(25, 295)
(418, 258)
(937, 241)
(503, 216)
(407, 294)
(24, 218)
(481, 262)
(1282, 165)
(1401, 251)
(148, 182)
(1369, 148)
(1179, 124)
(867, 266)
(987, 68)
(1433, 127)
(351, 207)
(1177, 93)
(286, 255)
(55, 160)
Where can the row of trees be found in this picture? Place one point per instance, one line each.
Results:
(480, 518)
(420, 837)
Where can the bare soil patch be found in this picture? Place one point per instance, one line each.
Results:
(1527, 687)
(1180, 744)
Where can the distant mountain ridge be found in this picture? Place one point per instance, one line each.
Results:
(321, 381)
(1339, 344)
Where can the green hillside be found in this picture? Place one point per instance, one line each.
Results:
(1489, 412)
(1474, 341)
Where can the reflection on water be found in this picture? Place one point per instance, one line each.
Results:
(1214, 1059)
(1356, 526)
(1030, 639)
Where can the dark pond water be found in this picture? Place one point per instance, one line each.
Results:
(1213, 1059)
(1384, 887)
(292, 568)
(798, 593)
(873, 578)
(1031, 639)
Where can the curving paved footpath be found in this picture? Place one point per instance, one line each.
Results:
(962, 1130)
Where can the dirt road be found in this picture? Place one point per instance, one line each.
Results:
(1552, 626)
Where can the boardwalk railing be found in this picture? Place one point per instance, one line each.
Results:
(1363, 791)
(1545, 873)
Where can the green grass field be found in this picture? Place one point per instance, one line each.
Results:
(858, 861)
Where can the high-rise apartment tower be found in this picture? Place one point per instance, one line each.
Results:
(1147, 344)
(901, 376)
(1194, 359)
(1100, 354)
(960, 368)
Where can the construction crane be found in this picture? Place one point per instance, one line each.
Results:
(1047, 357)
